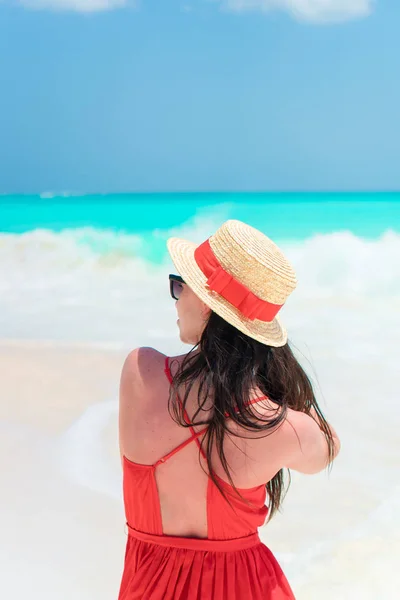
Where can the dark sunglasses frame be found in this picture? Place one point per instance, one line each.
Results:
(173, 278)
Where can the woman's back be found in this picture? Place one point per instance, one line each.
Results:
(158, 447)
(149, 433)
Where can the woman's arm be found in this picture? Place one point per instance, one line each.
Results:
(306, 444)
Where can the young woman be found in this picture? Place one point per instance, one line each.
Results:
(205, 437)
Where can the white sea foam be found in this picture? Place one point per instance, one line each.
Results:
(82, 454)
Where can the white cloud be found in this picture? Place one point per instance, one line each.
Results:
(317, 11)
(306, 10)
(82, 6)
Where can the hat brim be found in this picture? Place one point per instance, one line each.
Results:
(182, 254)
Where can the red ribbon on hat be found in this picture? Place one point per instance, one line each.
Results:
(231, 289)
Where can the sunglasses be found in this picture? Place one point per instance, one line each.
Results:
(176, 284)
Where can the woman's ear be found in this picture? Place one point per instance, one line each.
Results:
(205, 311)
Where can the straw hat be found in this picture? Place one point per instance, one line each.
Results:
(241, 275)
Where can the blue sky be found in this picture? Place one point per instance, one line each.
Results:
(106, 95)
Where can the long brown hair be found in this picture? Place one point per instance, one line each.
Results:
(227, 364)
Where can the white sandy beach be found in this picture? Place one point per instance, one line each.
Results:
(61, 512)
(61, 538)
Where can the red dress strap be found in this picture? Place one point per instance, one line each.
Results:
(195, 435)
(254, 401)
(181, 446)
(167, 370)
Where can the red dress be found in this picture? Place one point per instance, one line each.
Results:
(230, 564)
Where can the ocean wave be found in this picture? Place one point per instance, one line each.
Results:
(90, 284)
(338, 262)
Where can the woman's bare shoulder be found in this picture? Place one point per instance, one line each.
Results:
(141, 365)
(140, 383)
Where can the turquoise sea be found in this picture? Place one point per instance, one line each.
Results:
(286, 215)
